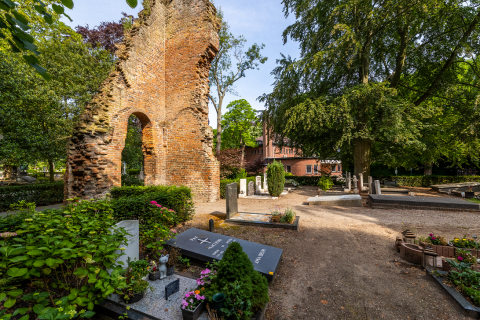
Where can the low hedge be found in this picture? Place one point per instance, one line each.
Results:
(306, 180)
(176, 198)
(133, 172)
(223, 185)
(41, 194)
(427, 181)
(131, 180)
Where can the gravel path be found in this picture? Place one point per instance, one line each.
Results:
(342, 263)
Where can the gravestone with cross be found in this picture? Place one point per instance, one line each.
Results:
(207, 246)
(232, 201)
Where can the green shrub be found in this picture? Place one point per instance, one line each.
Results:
(176, 198)
(289, 174)
(40, 194)
(235, 265)
(12, 222)
(275, 178)
(325, 183)
(133, 172)
(131, 181)
(55, 267)
(427, 181)
(306, 180)
(223, 184)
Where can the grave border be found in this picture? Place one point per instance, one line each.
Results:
(468, 308)
(294, 226)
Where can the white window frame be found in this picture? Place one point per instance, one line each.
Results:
(288, 169)
(315, 169)
(309, 166)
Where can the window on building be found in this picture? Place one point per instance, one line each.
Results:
(334, 168)
(339, 168)
(309, 169)
(288, 169)
(315, 169)
(262, 151)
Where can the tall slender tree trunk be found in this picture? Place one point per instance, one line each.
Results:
(362, 149)
(52, 170)
(428, 171)
(219, 124)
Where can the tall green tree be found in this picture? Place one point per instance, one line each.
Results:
(132, 153)
(359, 60)
(224, 73)
(36, 116)
(237, 125)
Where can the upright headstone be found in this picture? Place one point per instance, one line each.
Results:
(265, 183)
(360, 178)
(258, 183)
(251, 189)
(349, 181)
(359, 187)
(355, 184)
(124, 168)
(232, 201)
(377, 187)
(243, 188)
(131, 248)
(370, 185)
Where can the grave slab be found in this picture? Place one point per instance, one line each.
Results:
(153, 306)
(461, 187)
(208, 246)
(262, 220)
(341, 201)
(430, 203)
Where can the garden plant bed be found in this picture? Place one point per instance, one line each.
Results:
(262, 220)
(469, 309)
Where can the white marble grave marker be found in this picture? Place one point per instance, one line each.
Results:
(243, 188)
(377, 187)
(258, 184)
(265, 182)
(132, 245)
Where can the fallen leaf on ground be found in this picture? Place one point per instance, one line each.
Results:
(324, 301)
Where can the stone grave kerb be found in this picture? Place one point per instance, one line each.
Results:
(231, 195)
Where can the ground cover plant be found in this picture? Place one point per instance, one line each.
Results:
(465, 279)
(54, 265)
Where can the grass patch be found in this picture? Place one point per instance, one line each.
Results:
(473, 200)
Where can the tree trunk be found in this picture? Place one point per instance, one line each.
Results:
(362, 156)
(428, 171)
(219, 130)
(52, 170)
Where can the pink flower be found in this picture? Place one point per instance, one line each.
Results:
(460, 258)
(433, 238)
(206, 271)
(174, 231)
(431, 234)
(153, 202)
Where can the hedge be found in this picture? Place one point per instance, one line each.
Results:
(223, 185)
(306, 180)
(41, 194)
(176, 198)
(427, 181)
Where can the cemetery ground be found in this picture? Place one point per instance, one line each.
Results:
(342, 264)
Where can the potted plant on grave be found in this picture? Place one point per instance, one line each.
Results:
(469, 194)
(173, 255)
(276, 215)
(192, 305)
(154, 273)
(136, 286)
(288, 216)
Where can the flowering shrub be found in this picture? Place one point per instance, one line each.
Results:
(192, 300)
(464, 243)
(465, 256)
(64, 256)
(207, 276)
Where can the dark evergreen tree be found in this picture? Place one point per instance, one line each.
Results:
(275, 178)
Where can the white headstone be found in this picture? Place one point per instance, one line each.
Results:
(370, 185)
(349, 181)
(243, 188)
(355, 184)
(265, 182)
(124, 168)
(360, 176)
(258, 185)
(377, 187)
(132, 245)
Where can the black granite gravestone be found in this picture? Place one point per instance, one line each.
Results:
(231, 194)
(207, 246)
(172, 288)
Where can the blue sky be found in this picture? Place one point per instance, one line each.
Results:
(259, 21)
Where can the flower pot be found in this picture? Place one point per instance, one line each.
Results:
(135, 298)
(193, 314)
(154, 275)
(275, 219)
(170, 270)
(218, 301)
(469, 195)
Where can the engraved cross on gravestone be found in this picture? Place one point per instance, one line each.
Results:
(232, 201)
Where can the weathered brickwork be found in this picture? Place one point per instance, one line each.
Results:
(161, 77)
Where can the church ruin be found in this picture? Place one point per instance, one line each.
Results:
(161, 77)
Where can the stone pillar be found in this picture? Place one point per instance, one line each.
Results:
(258, 185)
(360, 177)
(265, 183)
(355, 184)
(243, 188)
(349, 181)
(377, 187)
(370, 185)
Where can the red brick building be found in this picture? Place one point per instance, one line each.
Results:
(292, 159)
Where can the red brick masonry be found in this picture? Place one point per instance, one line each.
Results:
(161, 76)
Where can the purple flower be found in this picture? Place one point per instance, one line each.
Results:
(431, 234)
(433, 238)
(460, 258)
(7, 234)
(206, 271)
(153, 202)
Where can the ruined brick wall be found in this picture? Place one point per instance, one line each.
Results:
(161, 77)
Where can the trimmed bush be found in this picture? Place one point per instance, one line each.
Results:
(223, 185)
(427, 181)
(40, 194)
(131, 180)
(275, 178)
(176, 198)
(133, 172)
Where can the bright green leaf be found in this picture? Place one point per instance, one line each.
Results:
(9, 303)
(68, 4)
